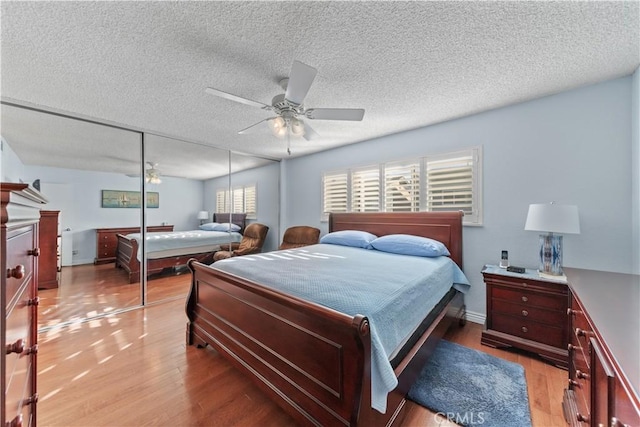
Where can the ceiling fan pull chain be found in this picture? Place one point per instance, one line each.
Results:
(289, 140)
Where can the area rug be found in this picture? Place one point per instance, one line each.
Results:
(472, 388)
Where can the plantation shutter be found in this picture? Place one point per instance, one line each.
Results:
(402, 187)
(250, 202)
(334, 193)
(222, 203)
(365, 190)
(238, 200)
(450, 182)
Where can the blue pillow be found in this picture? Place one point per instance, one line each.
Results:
(355, 238)
(225, 226)
(406, 244)
(209, 226)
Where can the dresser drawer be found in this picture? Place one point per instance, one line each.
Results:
(18, 355)
(528, 311)
(528, 329)
(531, 298)
(20, 243)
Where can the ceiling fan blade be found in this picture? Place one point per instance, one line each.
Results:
(300, 80)
(230, 97)
(309, 133)
(254, 126)
(353, 114)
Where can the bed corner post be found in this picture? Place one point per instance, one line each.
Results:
(191, 302)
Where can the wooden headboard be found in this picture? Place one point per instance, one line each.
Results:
(443, 226)
(239, 219)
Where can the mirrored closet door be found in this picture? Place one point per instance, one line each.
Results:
(91, 175)
(177, 173)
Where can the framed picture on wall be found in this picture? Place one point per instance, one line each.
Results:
(128, 199)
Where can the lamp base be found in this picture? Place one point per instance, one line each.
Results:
(550, 254)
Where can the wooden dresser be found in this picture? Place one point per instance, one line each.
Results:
(526, 312)
(50, 263)
(107, 242)
(19, 213)
(604, 349)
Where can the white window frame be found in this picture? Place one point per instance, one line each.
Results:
(230, 206)
(473, 218)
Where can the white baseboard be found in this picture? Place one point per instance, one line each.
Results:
(475, 317)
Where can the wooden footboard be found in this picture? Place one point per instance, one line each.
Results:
(127, 259)
(311, 360)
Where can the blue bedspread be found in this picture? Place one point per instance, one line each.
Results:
(162, 241)
(394, 292)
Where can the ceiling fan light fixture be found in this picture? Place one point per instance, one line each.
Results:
(153, 178)
(278, 126)
(297, 127)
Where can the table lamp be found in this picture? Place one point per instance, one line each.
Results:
(552, 218)
(203, 216)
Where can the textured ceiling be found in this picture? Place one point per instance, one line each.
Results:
(146, 65)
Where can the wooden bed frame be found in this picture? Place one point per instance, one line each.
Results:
(127, 252)
(313, 361)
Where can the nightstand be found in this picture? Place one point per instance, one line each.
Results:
(527, 312)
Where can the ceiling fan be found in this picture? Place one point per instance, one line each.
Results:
(289, 109)
(152, 174)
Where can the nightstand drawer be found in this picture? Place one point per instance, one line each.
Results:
(525, 328)
(526, 311)
(531, 298)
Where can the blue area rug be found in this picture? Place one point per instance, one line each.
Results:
(472, 388)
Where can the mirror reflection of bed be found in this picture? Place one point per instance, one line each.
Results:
(169, 251)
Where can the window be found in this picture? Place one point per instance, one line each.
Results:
(446, 182)
(334, 193)
(365, 190)
(402, 187)
(241, 199)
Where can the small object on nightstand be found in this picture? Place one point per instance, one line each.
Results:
(514, 269)
(504, 259)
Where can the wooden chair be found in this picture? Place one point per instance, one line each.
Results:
(299, 236)
(251, 243)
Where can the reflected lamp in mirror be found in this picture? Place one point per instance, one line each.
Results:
(203, 216)
(552, 218)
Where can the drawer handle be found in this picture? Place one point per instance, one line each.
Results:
(31, 400)
(34, 252)
(525, 313)
(16, 422)
(582, 332)
(574, 383)
(571, 347)
(16, 273)
(31, 350)
(581, 375)
(525, 329)
(525, 299)
(34, 301)
(581, 418)
(16, 347)
(572, 312)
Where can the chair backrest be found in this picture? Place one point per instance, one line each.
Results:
(298, 236)
(252, 239)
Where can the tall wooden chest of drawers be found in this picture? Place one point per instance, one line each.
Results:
(526, 312)
(49, 262)
(107, 242)
(604, 350)
(20, 215)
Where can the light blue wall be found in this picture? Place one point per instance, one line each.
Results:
(573, 148)
(266, 178)
(180, 201)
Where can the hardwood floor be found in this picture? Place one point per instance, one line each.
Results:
(134, 369)
(91, 290)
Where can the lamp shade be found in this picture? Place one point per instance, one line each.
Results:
(203, 215)
(553, 218)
